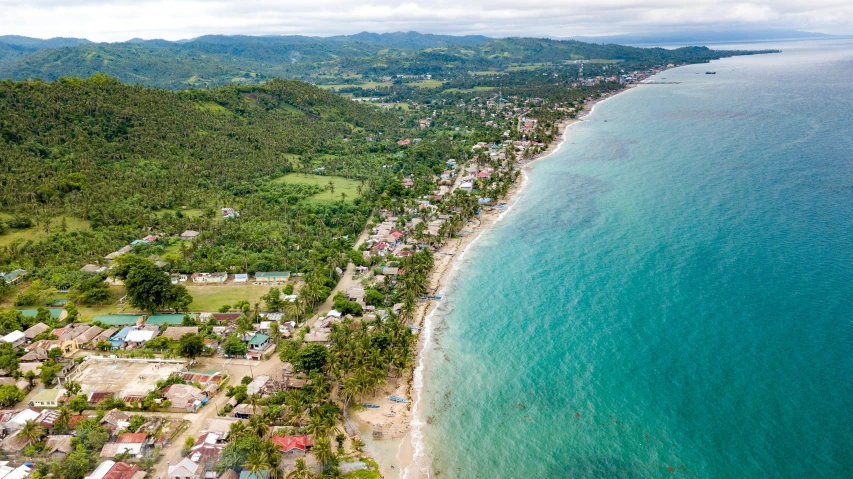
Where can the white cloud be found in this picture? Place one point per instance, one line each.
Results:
(116, 20)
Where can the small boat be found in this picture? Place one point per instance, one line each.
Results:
(371, 406)
(398, 399)
(710, 73)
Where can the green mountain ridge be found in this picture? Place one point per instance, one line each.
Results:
(218, 60)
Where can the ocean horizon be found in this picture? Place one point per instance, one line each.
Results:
(672, 293)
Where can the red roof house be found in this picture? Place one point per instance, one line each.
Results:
(132, 438)
(291, 443)
(121, 470)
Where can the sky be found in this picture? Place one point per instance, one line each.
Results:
(119, 20)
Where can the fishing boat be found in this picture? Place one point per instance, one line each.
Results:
(398, 399)
(710, 73)
(371, 406)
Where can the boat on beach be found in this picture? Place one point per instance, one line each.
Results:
(398, 399)
(371, 406)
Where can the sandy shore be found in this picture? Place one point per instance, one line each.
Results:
(399, 452)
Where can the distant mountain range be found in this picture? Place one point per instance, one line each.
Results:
(212, 60)
(702, 37)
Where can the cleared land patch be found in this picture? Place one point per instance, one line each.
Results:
(342, 185)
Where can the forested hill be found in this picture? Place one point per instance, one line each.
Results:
(112, 153)
(216, 59)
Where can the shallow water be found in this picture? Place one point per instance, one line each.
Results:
(673, 294)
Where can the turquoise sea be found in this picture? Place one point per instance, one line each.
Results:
(671, 296)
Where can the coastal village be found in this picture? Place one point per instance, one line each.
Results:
(124, 393)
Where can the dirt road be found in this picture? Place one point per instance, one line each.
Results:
(236, 369)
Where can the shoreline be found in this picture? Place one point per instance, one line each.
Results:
(402, 454)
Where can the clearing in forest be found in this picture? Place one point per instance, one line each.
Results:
(341, 185)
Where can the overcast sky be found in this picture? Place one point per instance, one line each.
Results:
(118, 20)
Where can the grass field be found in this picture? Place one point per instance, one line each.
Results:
(342, 185)
(212, 297)
(470, 90)
(38, 232)
(428, 84)
(366, 85)
(189, 212)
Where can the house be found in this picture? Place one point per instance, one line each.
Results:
(35, 330)
(39, 350)
(72, 331)
(15, 338)
(115, 420)
(220, 427)
(208, 446)
(58, 447)
(178, 278)
(97, 397)
(20, 472)
(293, 444)
(104, 335)
(185, 469)
(272, 277)
(128, 443)
(13, 277)
(48, 398)
(318, 335)
(138, 337)
(243, 411)
(175, 332)
(101, 471)
(122, 470)
(209, 278)
(18, 420)
(189, 235)
(257, 385)
(184, 397)
(92, 268)
(225, 317)
(230, 213)
(259, 342)
(241, 278)
(390, 271)
(88, 335)
(13, 444)
(122, 251)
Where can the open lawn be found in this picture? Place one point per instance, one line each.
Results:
(470, 90)
(365, 85)
(211, 297)
(528, 67)
(428, 84)
(187, 212)
(38, 232)
(342, 185)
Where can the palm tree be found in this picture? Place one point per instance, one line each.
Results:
(255, 464)
(300, 470)
(63, 418)
(237, 429)
(258, 426)
(32, 432)
(323, 451)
